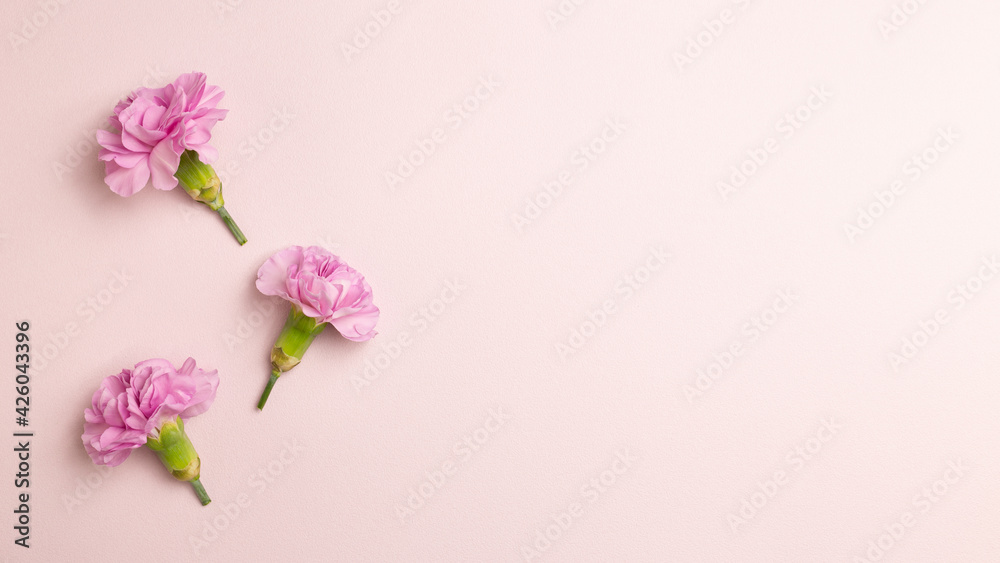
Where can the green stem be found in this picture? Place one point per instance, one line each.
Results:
(240, 238)
(201, 182)
(296, 336)
(267, 390)
(200, 491)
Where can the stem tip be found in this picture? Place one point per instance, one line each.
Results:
(240, 238)
(267, 390)
(200, 491)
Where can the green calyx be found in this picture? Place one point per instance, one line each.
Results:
(296, 336)
(178, 455)
(201, 182)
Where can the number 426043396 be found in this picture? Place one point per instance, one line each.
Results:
(22, 361)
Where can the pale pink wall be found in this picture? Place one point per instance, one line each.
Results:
(760, 285)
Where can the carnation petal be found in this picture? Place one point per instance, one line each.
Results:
(207, 384)
(130, 406)
(360, 326)
(206, 153)
(135, 137)
(273, 275)
(116, 458)
(156, 125)
(163, 163)
(111, 142)
(129, 160)
(324, 287)
(196, 135)
(125, 181)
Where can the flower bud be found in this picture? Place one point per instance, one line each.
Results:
(202, 183)
(199, 180)
(178, 455)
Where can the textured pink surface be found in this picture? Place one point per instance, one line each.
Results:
(477, 392)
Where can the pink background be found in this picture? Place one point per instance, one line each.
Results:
(342, 462)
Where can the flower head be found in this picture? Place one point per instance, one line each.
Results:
(132, 406)
(153, 127)
(324, 287)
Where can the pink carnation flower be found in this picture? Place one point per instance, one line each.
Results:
(153, 127)
(130, 407)
(324, 287)
(323, 290)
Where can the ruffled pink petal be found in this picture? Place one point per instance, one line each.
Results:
(352, 292)
(111, 143)
(129, 407)
(125, 181)
(163, 163)
(211, 96)
(156, 125)
(196, 135)
(137, 138)
(315, 296)
(110, 446)
(191, 83)
(323, 287)
(273, 275)
(207, 383)
(153, 118)
(130, 160)
(113, 149)
(115, 459)
(206, 153)
(136, 417)
(359, 326)
(112, 414)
